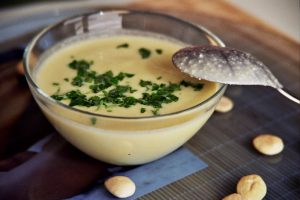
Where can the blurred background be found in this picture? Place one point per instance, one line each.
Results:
(282, 15)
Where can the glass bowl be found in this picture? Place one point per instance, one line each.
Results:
(120, 140)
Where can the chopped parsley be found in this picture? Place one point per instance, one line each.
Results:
(143, 110)
(155, 112)
(83, 73)
(145, 83)
(160, 94)
(125, 45)
(57, 97)
(77, 98)
(158, 51)
(106, 90)
(58, 88)
(144, 53)
(80, 64)
(77, 81)
(106, 80)
(196, 86)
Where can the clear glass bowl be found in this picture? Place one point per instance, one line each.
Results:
(120, 140)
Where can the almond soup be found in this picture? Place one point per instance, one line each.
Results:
(136, 95)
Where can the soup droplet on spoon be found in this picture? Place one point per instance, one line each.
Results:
(226, 65)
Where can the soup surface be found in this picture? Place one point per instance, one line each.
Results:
(121, 76)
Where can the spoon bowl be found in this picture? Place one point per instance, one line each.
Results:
(226, 65)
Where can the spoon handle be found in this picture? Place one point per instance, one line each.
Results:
(287, 95)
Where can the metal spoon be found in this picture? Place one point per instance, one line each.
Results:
(226, 65)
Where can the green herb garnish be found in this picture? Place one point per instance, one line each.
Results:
(196, 86)
(144, 53)
(77, 98)
(95, 101)
(57, 97)
(155, 112)
(145, 83)
(158, 51)
(58, 88)
(80, 64)
(143, 110)
(108, 92)
(125, 45)
(77, 81)
(131, 90)
(66, 79)
(83, 72)
(160, 94)
(106, 80)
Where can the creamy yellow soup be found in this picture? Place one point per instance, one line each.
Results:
(121, 54)
(114, 137)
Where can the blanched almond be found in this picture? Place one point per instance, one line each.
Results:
(225, 105)
(120, 186)
(268, 144)
(252, 187)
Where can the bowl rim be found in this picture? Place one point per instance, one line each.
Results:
(47, 97)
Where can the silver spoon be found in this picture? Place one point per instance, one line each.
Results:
(226, 65)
